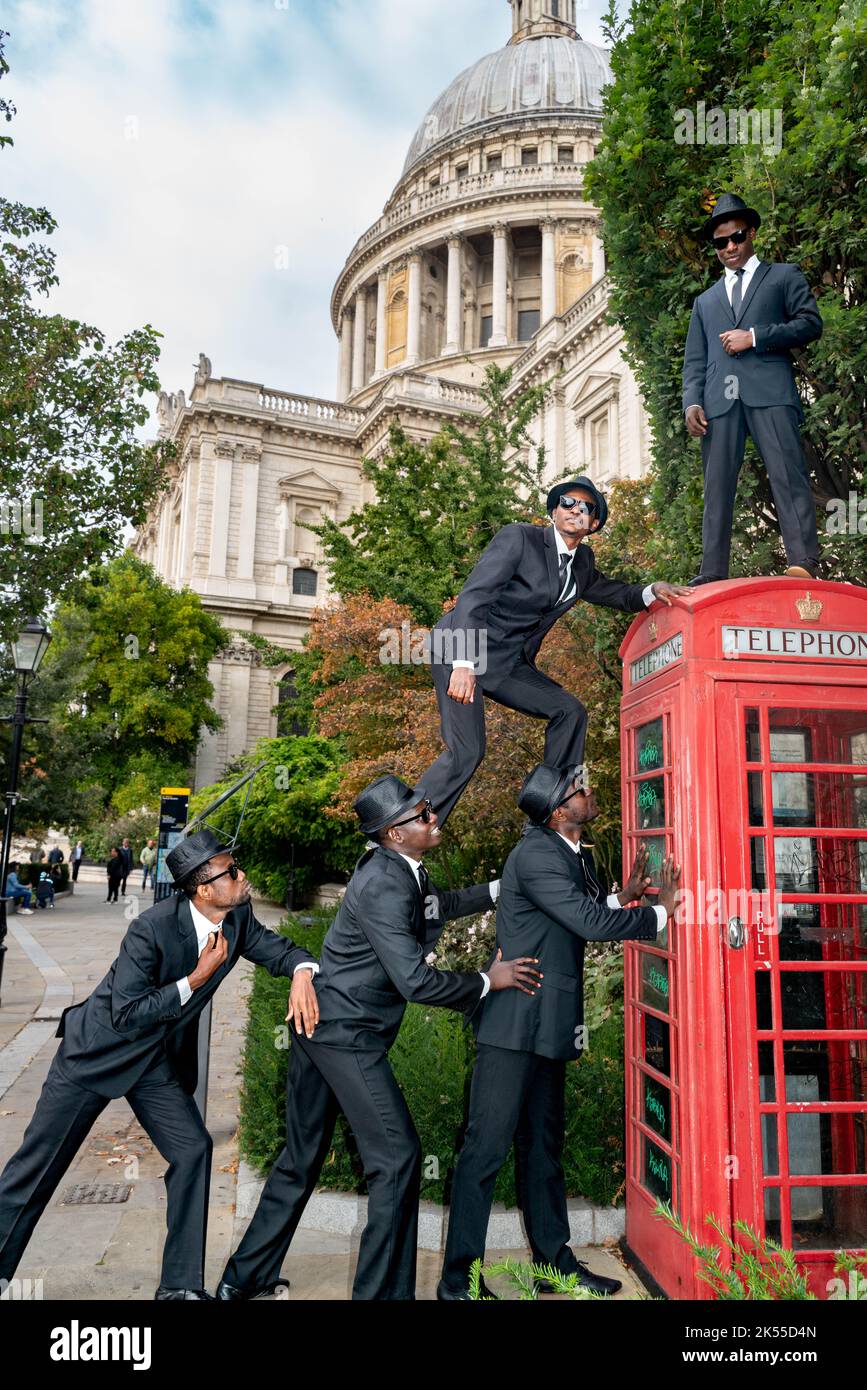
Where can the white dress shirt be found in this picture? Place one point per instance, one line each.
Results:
(731, 276)
(612, 900)
(648, 596)
(494, 886)
(204, 927)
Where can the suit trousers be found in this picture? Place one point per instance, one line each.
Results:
(322, 1081)
(775, 430)
(64, 1116)
(515, 1097)
(463, 728)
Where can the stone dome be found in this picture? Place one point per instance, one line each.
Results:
(550, 74)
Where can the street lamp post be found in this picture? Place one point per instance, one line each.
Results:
(28, 649)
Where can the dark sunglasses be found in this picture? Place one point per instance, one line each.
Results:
(721, 242)
(568, 503)
(423, 815)
(233, 871)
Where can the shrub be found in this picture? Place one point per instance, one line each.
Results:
(432, 1061)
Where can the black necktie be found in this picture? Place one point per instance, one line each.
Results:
(424, 885)
(565, 578)
(737, 291)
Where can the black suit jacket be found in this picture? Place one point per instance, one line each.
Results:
(779, 306)
(135, 1013)
(373, 956)
(512, 595)
(546, 909)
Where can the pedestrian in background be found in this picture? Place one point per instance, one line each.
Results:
(125, 852)
(115, 872)
(75, 859)
(146, 859)
(16, 890)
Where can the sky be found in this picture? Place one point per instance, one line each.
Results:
(211, 165)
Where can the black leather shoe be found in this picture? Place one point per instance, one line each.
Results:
(597, 1283)
(163, 1295)
(447, 1295)
(227, 1293)
(705, 579)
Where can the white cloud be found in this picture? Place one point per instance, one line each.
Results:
(179, 145)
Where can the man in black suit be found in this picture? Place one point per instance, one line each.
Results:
(738, 381)
(137, 1036)
(372, 963)
(549, 905)
(526, 579)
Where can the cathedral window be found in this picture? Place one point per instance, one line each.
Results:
(528, 324)
(287, 696)
(487, 328)
(461, 171)
(495, 161)
(305, 582)
(530, 154)
(565, 154)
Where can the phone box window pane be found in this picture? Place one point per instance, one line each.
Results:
(649, 751)
(657, 1044)
(657, 1107)
(753, 736)
(654, 982)
(837, 1070)
(650, 803)
(829, 1218)
(657, 1171)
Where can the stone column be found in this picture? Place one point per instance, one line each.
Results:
(499, 327)
(413, 327)
(381, 322)
(454, 311)
(223, 465)
(598, 258)
(344, 380)
(245, 573)
(549, 270)
(360, 341)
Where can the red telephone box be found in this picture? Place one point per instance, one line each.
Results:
(744, 754)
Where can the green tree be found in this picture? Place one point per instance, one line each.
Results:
(288, 835)
(438, 505)
(810, 64)
(74, 472)
(130, 661)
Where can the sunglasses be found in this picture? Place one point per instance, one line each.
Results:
(423, 815)
(721, 242)
(578, 504)
(233, 871)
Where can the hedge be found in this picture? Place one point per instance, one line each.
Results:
(432, 1061)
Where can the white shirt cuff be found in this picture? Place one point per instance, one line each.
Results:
(612, 900)
(487, 984)
(494, 889)
(308, 965)
(753, 331)
(648, 596)
(689, 407)
(661, 918)
(464, 665)
(184, 990)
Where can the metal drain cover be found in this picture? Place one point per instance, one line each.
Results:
(104, 1193)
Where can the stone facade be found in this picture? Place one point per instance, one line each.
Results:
(486, 252)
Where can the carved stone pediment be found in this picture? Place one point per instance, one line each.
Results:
(309, 485)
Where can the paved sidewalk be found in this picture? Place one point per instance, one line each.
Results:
(112, 1251)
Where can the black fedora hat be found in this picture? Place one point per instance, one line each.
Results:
(191, 852)
(601, 505)
(384, 801)
(729, 205)
(543, 790)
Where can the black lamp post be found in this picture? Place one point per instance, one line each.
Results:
(28, 649)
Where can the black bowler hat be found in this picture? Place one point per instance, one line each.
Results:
(543, 791)
(191, 853)
(384, 801)
(729, 205)
(601, 505)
